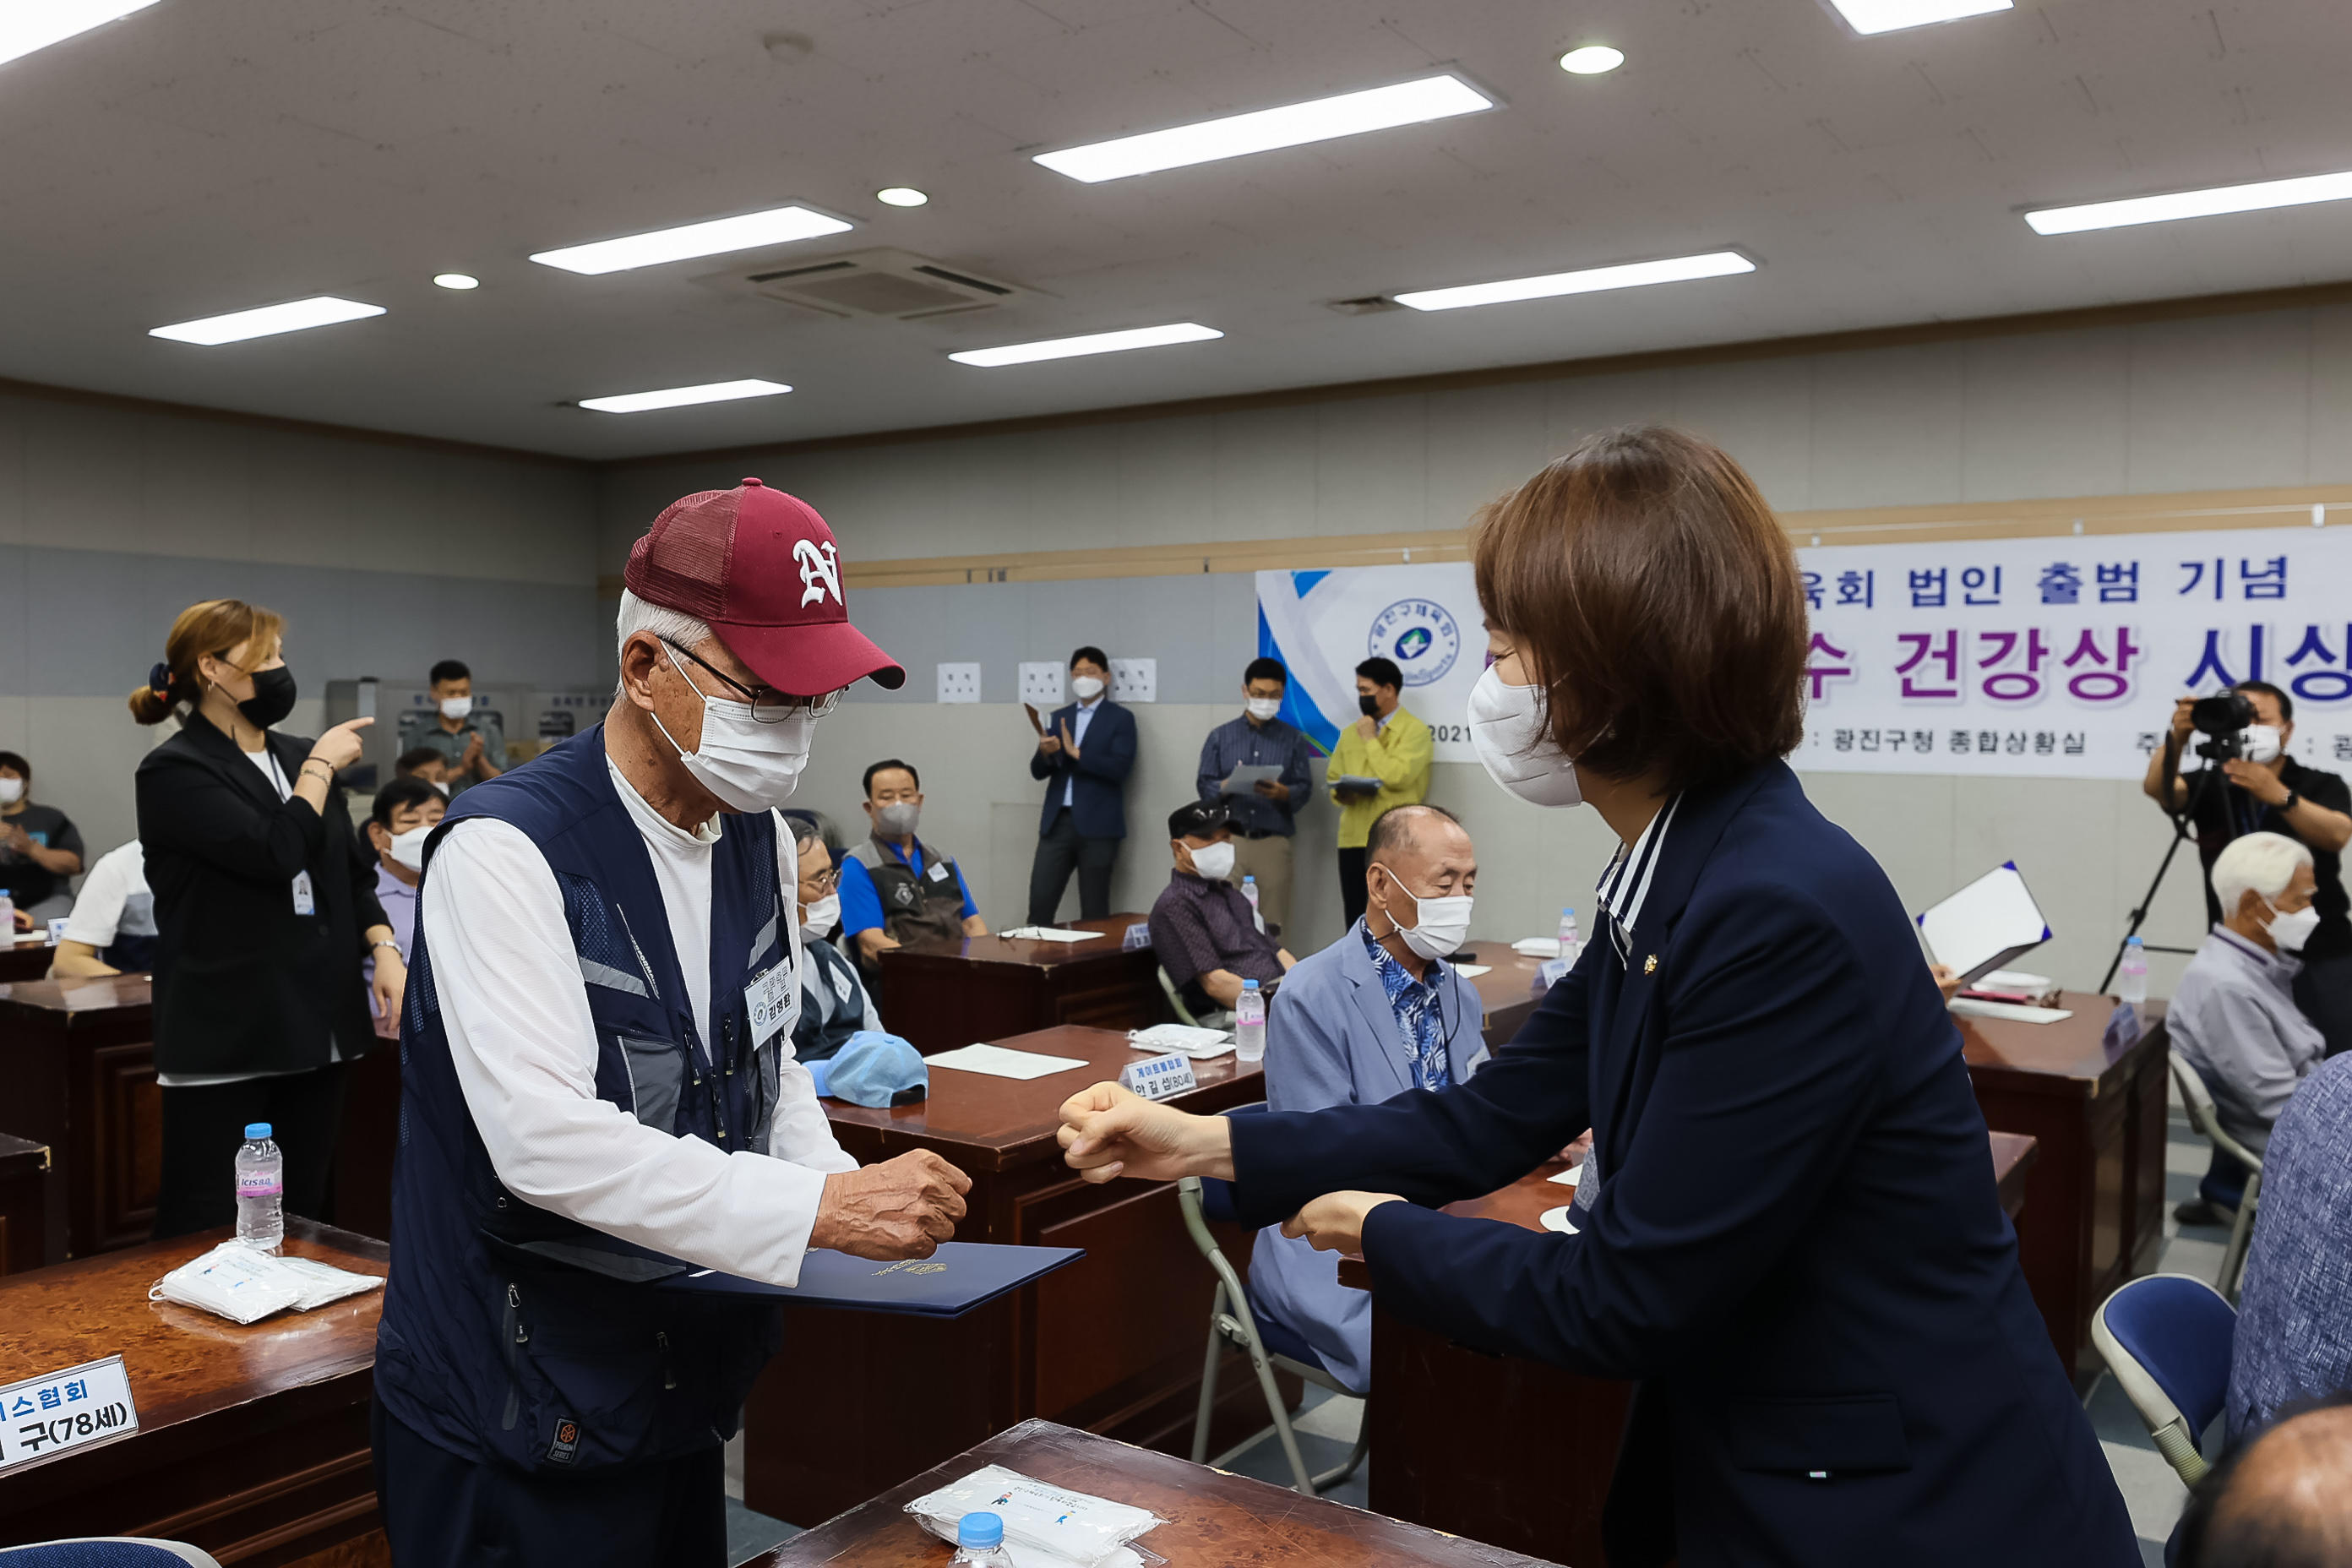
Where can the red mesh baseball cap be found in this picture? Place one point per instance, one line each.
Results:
(761, 569)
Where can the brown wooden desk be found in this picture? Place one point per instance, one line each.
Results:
(2095, 1198)
(938, 995)
(1113, 1343)
(1213, 1518)
(1507, 989)
(252, 1441)
(28, 960)
(1512, 1452)
(25, 1181)
(77, 1073)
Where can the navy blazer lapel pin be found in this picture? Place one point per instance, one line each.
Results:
(1650, 964)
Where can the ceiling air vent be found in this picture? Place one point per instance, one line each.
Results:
(869, 284)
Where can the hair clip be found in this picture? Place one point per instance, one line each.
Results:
(158, 679)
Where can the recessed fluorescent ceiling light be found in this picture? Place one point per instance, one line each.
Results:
(24, 27)
(2193, 204)
(460, 280)
(1592, 59)
(774, 227)
(1093, 344)
(1293, 125)
(900, 196)
(1592, 279)
(323, 311)
(680, 396)
(1893, 16)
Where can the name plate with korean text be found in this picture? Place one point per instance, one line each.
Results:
(79, 1407)
(1158, 1076)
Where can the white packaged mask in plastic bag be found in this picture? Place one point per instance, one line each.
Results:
(1045, 1526)
(236, 1282)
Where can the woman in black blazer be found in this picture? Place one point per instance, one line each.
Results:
(265, 907)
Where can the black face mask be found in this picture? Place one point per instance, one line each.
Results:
(1369, 706)
(272, 699)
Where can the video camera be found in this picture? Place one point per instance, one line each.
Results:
(2224, 716)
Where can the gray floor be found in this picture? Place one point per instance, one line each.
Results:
(1328, 1426)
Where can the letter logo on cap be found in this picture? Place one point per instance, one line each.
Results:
(820, 571)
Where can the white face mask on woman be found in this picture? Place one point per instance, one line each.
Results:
(1441, 925)
(750, 766)
(1509, 729)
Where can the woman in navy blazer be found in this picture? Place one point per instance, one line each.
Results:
(1794, 1246)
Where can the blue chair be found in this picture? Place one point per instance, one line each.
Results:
(1270, 1345)
(107, 1552)
(2198, 1101)
(2167, 1338)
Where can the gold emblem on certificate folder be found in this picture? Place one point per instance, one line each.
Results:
(908, 1266)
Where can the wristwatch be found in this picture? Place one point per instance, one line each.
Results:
(2288, 804)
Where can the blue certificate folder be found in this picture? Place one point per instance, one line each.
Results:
(951, 1282)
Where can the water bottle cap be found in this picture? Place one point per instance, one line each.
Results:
(2132, 941)
(982, 1530)
(1249, 984)
(257, 1130)
(1247, 877)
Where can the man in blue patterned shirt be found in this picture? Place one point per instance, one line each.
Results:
(2294, 1311)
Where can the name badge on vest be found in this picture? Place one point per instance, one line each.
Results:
(768, 1001)
(938, 871)
(304, 904)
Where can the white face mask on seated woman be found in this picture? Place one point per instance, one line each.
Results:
(1510, 728)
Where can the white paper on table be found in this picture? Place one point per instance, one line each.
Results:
(1558, 1219)
(1985, 924)
(1970, 1006)
(1569, 1177)
(1049, 933)
(1472, 971)
(997, 1061)
(1245, 776)
(1184, 1039)
(1537, 947)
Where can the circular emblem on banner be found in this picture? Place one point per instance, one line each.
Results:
(1420, 637)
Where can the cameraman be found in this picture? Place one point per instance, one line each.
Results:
(2267, 791)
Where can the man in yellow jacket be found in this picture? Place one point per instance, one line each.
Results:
(1387, 746)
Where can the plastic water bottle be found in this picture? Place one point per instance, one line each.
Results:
(1249, 891)
(1249, 1024)
(2131, 975)
(8, 922)
(980, 1541)
(1571, 944)
(260, 1190)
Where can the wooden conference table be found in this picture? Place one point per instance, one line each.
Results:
(1211, 1516)
(2094, 1199)
(1112, 1343)
(252, 1441)
(26, 1178)
(943, 994)
(28, 960)
(1508, 990)
(1512, 1452)
(77, 1073)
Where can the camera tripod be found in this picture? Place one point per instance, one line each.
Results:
(2182, 820)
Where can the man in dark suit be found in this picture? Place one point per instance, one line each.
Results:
(1084, 756)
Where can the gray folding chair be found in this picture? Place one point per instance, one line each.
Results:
(1218, 1020)
(2206, 1120)
(1270, 1345)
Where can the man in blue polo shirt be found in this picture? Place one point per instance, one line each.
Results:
(896, 888)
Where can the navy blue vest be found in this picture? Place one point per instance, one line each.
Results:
(511, 1334)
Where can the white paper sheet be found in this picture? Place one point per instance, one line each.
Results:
(1972, 1007)
(1557, 1220)
(1050, 933)
(996, 1061)
(1537, 947)
(1472, 971)
(1985, 924)
(1569, 1177)
(1245, 777)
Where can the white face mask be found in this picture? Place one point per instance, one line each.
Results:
(408, 848)
(11, 791)
(822, 915)
(1214, 862)
(2262, 743)
(750, 766)
(1086, 687)
(443, 785)
(1509, 728)
(1263, 708)
(456, 707)
(2292, 929)
(1443, 925)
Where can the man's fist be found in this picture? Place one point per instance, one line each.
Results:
(1108, 1132)
(900, 1208)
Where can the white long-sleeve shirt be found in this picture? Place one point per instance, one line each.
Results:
(524, 1045)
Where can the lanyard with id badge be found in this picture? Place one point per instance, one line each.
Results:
(304, 904)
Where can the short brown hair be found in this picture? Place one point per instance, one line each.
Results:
(214, 627)
(1652, 592)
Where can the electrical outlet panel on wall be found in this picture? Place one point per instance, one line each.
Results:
(1135, 679)
(1041, 686)
(959, 683)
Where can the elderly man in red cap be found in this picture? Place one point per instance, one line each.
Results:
(598, 1084)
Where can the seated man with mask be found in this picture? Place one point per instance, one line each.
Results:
(896, 888)
(1377, 1014)
(2233, 1016)
(833, 1001)
(1203, 931)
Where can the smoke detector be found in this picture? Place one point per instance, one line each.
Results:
(880, 284)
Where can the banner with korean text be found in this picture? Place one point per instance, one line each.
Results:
(2048, 658)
